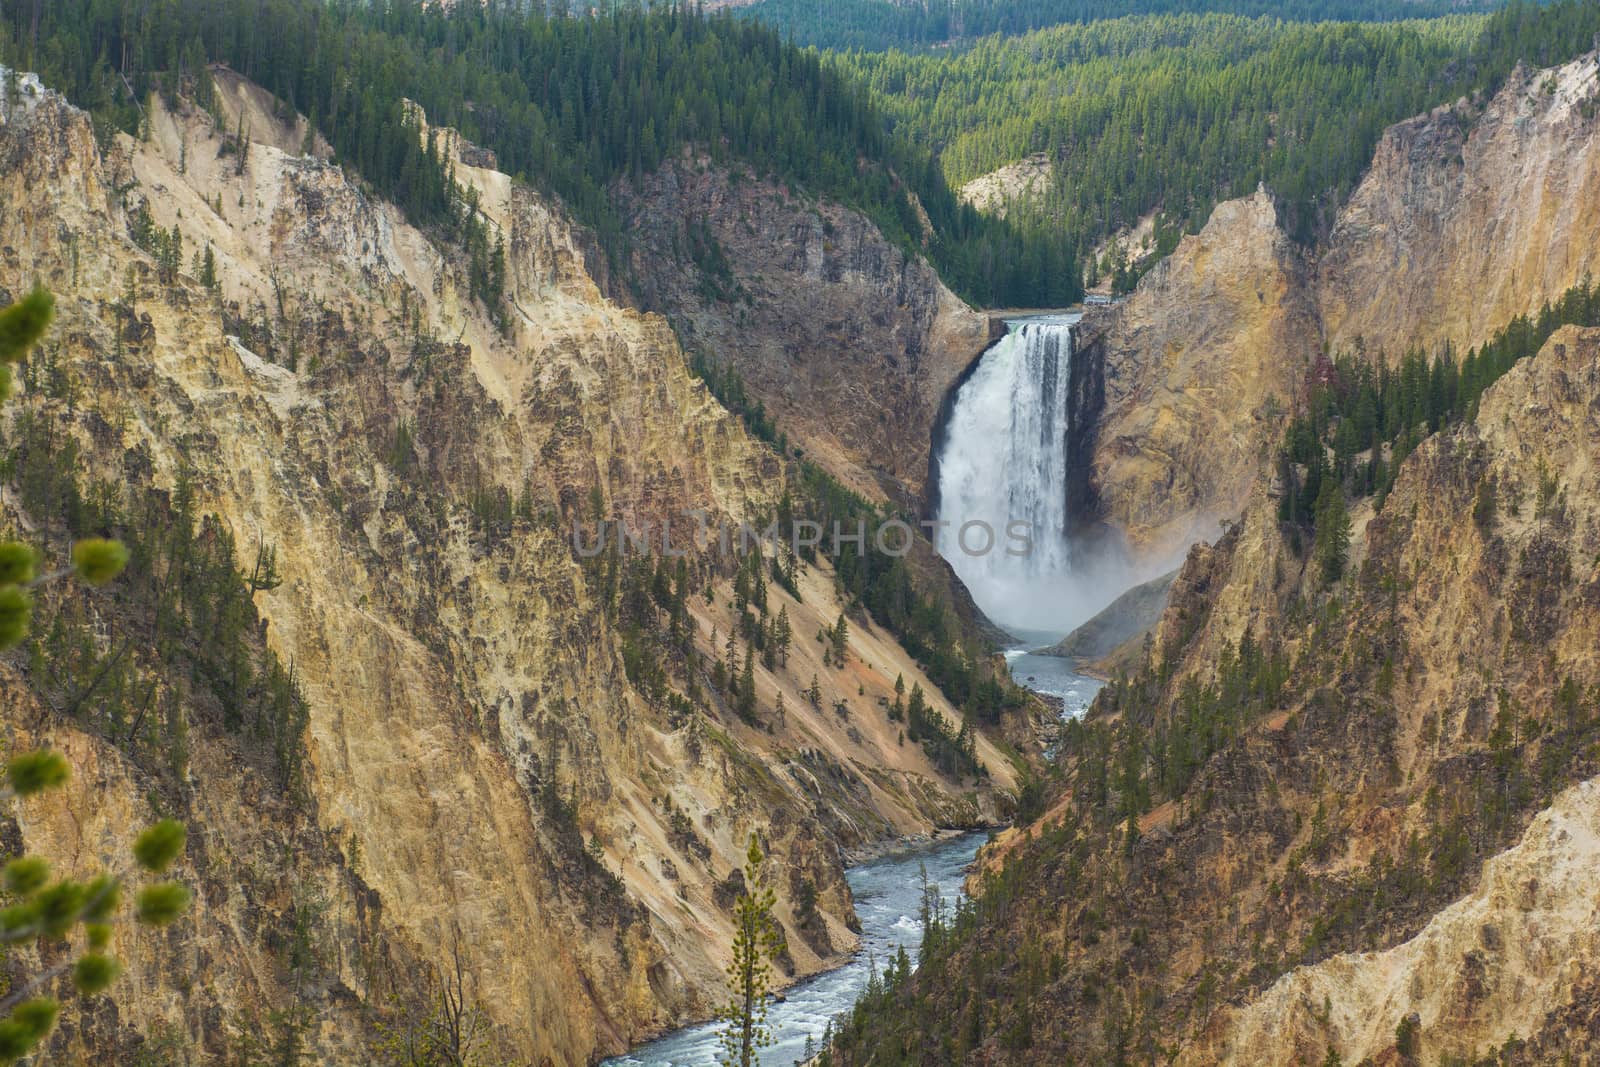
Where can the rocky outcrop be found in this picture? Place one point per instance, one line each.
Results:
(1468, 216)
(1125, 620)
(849, 341)
(1199, 363)
(992, 193)
(485, 767)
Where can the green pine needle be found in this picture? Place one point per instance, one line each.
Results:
(23, 323)
(32, 772)
(26, 875)
(101, 899)
(37, 1016)
(98, 560)
(94, 972)
(16, 609)
(19, 563)
(158, 846)
(59, 908)
(161, 904)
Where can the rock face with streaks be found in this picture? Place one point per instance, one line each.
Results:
(1198, 364)
(1469, 216)
(487, 764)
(848, 340)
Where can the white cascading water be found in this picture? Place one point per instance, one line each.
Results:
(1004, 462)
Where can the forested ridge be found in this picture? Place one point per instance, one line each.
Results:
(1171, 114)
(1162, 114)
(1363, 417)
(570, 104)
(878, 25)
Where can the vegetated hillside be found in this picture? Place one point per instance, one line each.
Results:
(358, 650)
(570, 104)
(1472, 216)
(1169, 115)
(879, 25)
(1317, 760)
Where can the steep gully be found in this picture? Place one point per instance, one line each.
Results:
(1000, 474)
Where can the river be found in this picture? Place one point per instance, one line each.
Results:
(888, 894)
(1053, 676)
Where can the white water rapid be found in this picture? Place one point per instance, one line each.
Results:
(1003, 468)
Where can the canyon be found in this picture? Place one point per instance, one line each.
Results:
(487, 752)
(485, 776)
(1325, 819)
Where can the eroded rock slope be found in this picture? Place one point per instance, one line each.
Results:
(486, 764)
(1469, 216)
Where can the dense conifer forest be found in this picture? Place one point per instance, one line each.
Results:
(878, 25)
(572, 105)
(1168, 115)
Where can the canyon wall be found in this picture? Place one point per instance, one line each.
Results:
(1496, 622)
(1358, 815)
(488, 766)
(850, 341)
(1468, 216)
(1198, 364)
(1326, 819)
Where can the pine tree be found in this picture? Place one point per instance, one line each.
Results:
(44, 910)
(1332, 546)
(840, 637)
(784, 634)
(757, 942)
(747, 686)
(208, 269)
(741, 589)
(769, 644)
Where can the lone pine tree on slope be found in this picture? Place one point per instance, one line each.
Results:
(757, 941)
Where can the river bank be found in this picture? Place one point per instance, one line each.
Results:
(888, 895)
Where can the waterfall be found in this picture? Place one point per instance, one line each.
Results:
(1003, 471)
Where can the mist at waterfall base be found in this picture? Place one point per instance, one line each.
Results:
(1005, 460)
